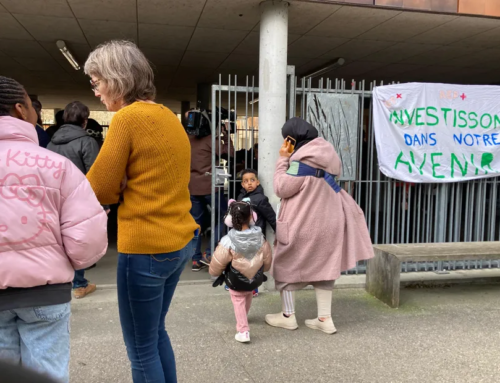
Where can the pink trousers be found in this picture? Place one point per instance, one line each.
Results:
(242, 300)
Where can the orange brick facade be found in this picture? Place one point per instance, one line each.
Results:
(471, 7)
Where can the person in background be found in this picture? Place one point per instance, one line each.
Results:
(51, 130)
(321, 231)
(72, 141)
(253, 193)
(156, 233)
(94, 130)
(249, 255)
(43, 137)
(200, 189)
(50, 225)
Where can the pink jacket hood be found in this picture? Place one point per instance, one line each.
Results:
(50, 222)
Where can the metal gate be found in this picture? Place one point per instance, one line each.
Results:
(396, 212)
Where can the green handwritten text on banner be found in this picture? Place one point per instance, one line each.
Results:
(437, 132)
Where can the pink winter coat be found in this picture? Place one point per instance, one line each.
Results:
(50, 220)
(319, 233)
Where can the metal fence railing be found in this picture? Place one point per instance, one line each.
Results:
(396, 211)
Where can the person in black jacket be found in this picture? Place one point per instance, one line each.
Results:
(72, 141)
(51, 130)
(253, 193)
(43, 137)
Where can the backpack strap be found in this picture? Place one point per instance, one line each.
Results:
(300, 169)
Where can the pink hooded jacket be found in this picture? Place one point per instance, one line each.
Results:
(50, 220)
(319, 233)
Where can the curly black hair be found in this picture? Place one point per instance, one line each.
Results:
(11, 93)
(241, 212)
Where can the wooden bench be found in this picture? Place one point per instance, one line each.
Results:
(383, 271)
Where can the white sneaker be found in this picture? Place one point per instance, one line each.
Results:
(242, 337)
(279, 320)
(326, 326)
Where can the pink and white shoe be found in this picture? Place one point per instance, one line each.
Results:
(243, 337)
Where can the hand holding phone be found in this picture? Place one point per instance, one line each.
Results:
(292, 142)
(288, 147)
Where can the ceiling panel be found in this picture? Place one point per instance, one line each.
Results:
(12, 48)
(304, 16)
(54, 8)
(241, 62)
(7, 63)
(488, 58)
(406, 25)
(114, 10)
(235, 14)
(461, 28)
(442, 55)
(216, 40)
(312, 65)
(298, 61)
(489, 39)
(190, 76)
(12, 29)
(357, 49)
(400, 52)
(98, 31)
(357, 68)
(195, 59)
(164, 36)
(394, 70)
(349, 22)
(170, 12)
(47, 28)
(250, 45)
(40, 64)
(314, 46)
(163, 57)
(163, 72)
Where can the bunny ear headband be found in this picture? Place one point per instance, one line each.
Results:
(228, 219)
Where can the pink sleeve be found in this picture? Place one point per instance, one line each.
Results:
(286, 186)
(83, 220)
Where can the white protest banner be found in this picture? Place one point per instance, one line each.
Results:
(437, 132)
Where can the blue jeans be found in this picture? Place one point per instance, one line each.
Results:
(146, 285)
(37, 338)
(201, 214)
(79, 280)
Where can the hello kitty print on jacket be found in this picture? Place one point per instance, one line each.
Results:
(50, 222)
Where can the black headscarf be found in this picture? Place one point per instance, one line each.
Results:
(301, 130)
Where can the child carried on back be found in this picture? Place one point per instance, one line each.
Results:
(243, 256)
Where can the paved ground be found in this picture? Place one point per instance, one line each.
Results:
(438, 335)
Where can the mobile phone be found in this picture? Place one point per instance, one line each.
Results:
(292, 142)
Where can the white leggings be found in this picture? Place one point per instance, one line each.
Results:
(323, 299)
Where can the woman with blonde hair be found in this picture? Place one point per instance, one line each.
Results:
(147, 146)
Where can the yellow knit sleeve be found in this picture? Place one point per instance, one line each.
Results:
(109, 168)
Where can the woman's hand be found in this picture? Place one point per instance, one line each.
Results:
(285, 150)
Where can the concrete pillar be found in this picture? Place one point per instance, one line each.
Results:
(185, 106)
(203, 94)
(272, 95)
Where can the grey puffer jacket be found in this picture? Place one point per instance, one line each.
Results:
(73, 142)
(247, 251)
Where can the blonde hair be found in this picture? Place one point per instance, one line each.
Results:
(125, 70)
